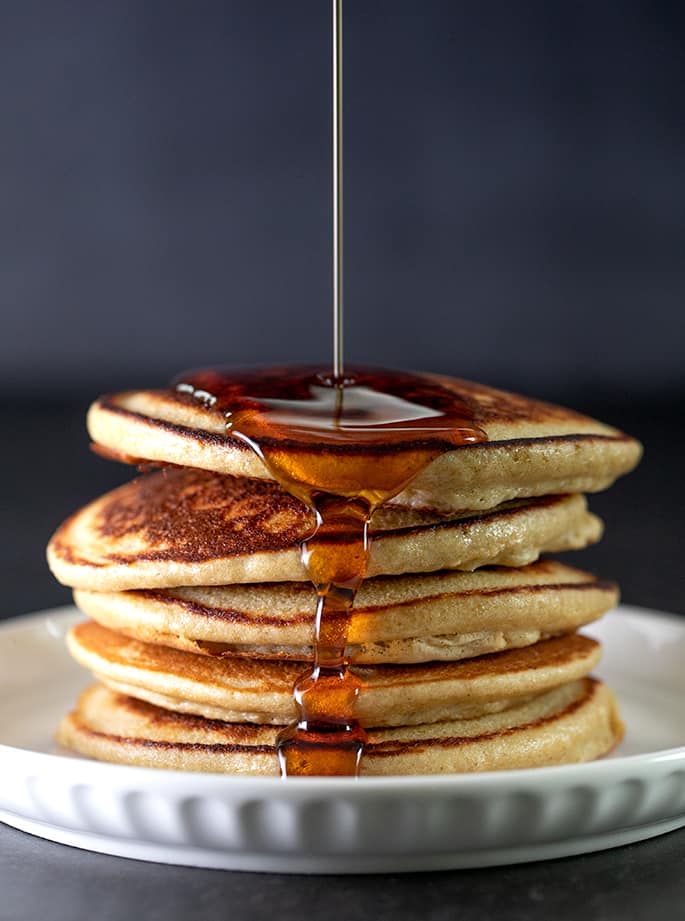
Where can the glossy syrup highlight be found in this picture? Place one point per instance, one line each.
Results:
(343, 447)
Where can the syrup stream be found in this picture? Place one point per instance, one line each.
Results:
(337, 31)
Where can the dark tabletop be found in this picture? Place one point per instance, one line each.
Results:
(47, 472)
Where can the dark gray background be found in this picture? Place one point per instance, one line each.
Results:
(515, 190)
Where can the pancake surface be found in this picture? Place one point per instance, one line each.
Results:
(534, 448)
(573, 723)
(187, 527)
(402, 619)
(255, 690)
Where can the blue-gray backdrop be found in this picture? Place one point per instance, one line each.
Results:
(515, 189)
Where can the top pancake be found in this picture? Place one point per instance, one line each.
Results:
(534, 448)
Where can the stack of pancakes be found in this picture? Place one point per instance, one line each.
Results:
(464, 641)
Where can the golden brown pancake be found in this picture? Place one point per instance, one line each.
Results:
(534, 448)
(576, 722)
(397, 619)
(190, 527)
(254, 690)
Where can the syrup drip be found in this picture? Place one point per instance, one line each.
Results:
(343, 447)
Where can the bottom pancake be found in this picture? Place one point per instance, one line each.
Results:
(573, 723)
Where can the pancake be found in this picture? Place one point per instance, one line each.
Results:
(573, 723)
(396, 619)
(189, 527)
(257, 691)
(534, 448)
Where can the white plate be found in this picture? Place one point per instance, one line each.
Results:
(344, 825)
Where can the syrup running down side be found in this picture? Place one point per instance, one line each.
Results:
(343, 447)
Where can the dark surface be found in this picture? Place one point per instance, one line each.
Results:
(641, 882)
(47, 472)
